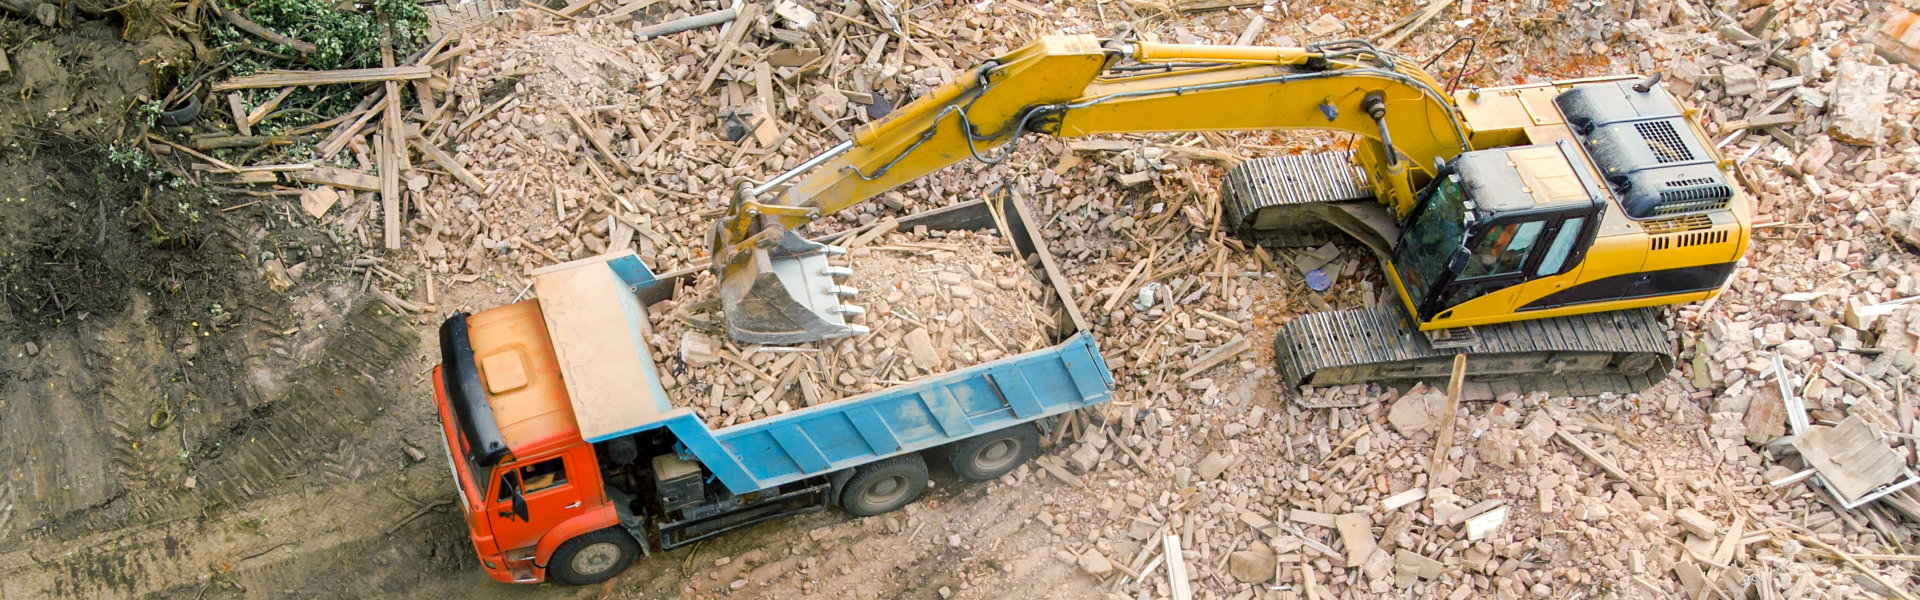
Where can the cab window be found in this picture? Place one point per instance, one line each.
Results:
(534, 477)
(1560, 248)
(1503, 249)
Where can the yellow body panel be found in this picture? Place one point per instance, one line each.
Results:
(1609, 256)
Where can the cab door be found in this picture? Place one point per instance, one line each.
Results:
(1562, 256)
(550, 487)
(1496, 266)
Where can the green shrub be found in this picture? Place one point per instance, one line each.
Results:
(346, 39)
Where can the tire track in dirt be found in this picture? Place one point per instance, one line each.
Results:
(304, 441)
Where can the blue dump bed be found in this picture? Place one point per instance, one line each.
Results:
(925, 413)
(761, 454)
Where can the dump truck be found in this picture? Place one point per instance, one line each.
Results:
(571, 459)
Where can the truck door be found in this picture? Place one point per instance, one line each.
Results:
(551, 492)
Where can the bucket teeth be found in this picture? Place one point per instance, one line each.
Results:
(849, 310)
(786, 294)
(833, 250)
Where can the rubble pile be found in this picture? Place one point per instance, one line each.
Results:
(934, 304)
(1203, 478)
(1700, 486)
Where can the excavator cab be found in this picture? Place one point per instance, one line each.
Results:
(1493, 221)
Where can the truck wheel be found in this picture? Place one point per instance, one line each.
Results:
(988, 456)
(592, 558)
(885, 486)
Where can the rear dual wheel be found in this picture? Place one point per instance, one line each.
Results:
(884, 486)
(987, 456)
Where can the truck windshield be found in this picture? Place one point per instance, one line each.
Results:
(1437, 227)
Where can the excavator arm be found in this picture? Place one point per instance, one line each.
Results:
(776, 287)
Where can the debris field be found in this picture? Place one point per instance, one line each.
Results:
(1756, 468)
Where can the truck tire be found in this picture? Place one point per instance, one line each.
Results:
(987, 456)
(885, 486)
(592, 558)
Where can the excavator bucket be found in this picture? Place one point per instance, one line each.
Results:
(787, 294)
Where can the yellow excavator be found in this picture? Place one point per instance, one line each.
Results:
(1534, 227)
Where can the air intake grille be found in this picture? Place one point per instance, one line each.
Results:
(1678, 224)
(1689, 239)
(1688, 195)
(1663, 141)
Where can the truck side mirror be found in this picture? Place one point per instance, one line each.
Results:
(519, 504)
(519, 509)
(1457, 261)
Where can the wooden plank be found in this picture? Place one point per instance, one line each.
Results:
(267, 108)
(727, 47)
(1309, 587)
(1217, 356)
(239, 108)
(1195, 6)
(1444, 441)
(448, 164)
(337, 140)
(768, 129)
(1177, 580)
(1605, 465)
(337, 76)
(594, 140)
(338, 177)
(389, 150)
(1431, 11)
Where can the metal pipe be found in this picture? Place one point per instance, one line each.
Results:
(1147, 52)
(679, 25)
(796, 171)
(1375, 103)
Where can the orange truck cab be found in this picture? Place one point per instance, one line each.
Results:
(571, 460)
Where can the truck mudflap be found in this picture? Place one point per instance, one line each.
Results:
(811, 498)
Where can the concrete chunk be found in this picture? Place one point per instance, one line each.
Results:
(1212, 466)
(1356, 531)
(1859, 103)
(1740, 80)
(1696, 523)
(1251, 566)
(1415, 414)
(1095, 564)
(920, 344)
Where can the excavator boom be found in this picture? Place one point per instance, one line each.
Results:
(772, 282)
